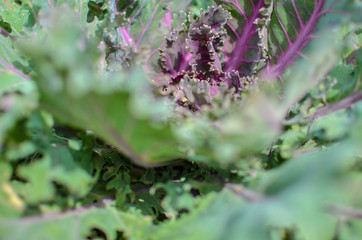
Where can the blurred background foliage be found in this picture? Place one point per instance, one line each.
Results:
(89, 151)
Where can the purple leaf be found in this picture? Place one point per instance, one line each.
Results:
(195, 48)
(290, 29)
(243, 41)
(206, 39)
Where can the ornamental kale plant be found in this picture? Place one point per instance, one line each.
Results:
(165, 119)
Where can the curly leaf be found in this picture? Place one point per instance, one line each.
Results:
(174, 57)
(80, 223)
(206, 38)
(243, 49)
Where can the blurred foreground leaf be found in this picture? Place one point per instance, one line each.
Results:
(118, 108)
(79, 224)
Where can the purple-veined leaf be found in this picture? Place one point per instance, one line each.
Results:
(138, 27)
(174, 58)
(193, 54)
(199, 44)
(144, 18)
(293, 23)
(290, 29)
(242, 50)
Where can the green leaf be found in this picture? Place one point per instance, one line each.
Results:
(117, 109)
(244, 129)
(5, 27)
(347, 78)
(21, 150)
(351, 230)
(121, 183)
(9, 82)
(56, 166)
(78, 224)
(10, 204)
(294, 197)
(95, 10)
(14, 107)
(291, 140)
(38, 187)
(325, 128)
(14, 15)
(66, 172)
(307, 73)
